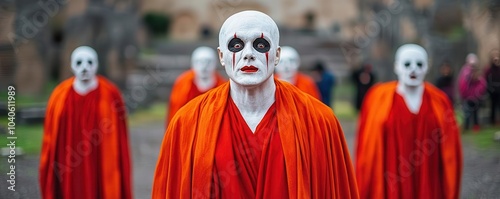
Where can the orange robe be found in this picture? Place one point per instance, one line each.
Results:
(316, 157)
(307, 84)
(249, 165)
(85, 151)
(185, 90)
(405, 155)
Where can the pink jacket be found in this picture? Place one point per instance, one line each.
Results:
(468, 88)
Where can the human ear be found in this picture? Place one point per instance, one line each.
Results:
(278, 54)
(221, 56)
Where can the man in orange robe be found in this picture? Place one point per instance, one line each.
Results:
(287, 70)
(255, 136)
(199, 79)
(85, 151)
(408, 142)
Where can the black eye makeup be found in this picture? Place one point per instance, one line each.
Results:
(261, 45)
(420, 64)
(407, 64)
(78, 62)
(235, 45)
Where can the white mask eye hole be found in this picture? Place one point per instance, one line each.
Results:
(90, 62)
(407, 64)
(78, 62)
(420, 64)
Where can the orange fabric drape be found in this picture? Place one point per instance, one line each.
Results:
(185, 90)
(316, 156)
(85, 149)
(249, 165)
(307, 84)
(375, 179)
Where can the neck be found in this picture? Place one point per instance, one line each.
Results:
(253, 102)
(204, 83)
(82, 87)
(412, 96)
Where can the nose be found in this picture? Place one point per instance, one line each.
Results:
(248, 54)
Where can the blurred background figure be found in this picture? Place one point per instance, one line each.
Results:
(325, 81)
(445, 80)
(399, 152)
(363, 79)
(471, 87)
(287, 70)
(85, 151)
(199, 79)
(492, 76)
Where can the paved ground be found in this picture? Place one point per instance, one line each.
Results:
(481, 177)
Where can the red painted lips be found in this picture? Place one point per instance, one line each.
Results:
(250, 69)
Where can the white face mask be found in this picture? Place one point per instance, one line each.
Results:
(248, 47)
(411, 64)
(203, 62)
(84, 63)
(289, 63)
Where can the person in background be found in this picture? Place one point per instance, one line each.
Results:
(202, 77)
(492, 76)
(288, 70)
(471, 87)
(363, 79)
(325, 81)
(408, 141)
(445, 81)
(85, 150)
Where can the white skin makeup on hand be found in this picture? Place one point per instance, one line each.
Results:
(203, 63)
(411, 66)
(289, 64)
(249, 51)
(84, 65)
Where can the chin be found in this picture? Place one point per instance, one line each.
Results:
(414, 83)
(249, 81)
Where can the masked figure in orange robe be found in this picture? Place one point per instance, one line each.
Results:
(408, 142)
(201, 78)
(255, 136)
(85, 151)
(287, 70)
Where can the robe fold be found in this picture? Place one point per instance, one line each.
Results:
(184, 90)
(85, 151)
(249, 165)
(316, 157)
(307, 84)
(404, 155)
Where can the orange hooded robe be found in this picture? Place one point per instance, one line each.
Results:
(85, 152)
(405, 155)
(185, 90)
(317, 162)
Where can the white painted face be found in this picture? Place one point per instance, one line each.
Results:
(248, 47)
(289, 63)
(203, 61)
(411, 64)
(84, 63)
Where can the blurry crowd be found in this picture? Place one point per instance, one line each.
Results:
(478, 89)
